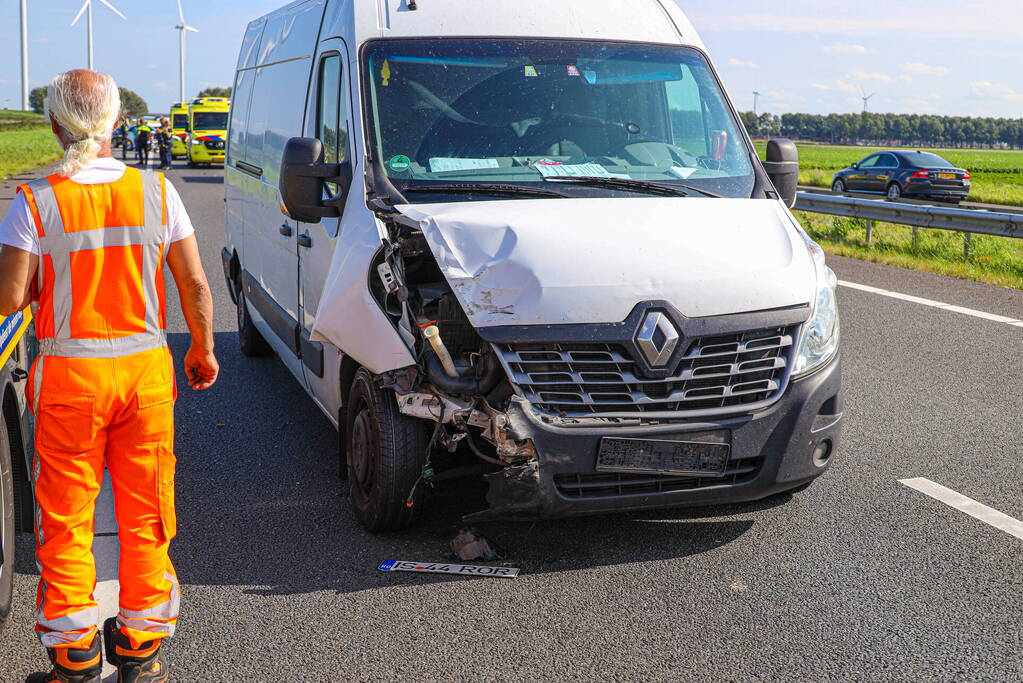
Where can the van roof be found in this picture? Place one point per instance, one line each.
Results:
(647, 21)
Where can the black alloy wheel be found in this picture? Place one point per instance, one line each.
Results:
(386, 452)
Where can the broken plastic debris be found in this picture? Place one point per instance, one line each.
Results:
(467, 546)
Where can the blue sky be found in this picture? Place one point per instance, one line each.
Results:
(959, 57)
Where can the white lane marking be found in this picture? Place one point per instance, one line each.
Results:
(988, 515)
(934, 304)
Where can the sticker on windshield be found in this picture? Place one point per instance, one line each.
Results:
(572, 170)
(385, 73)
(531, 72)
(399, 164)
(681, 172)
(573, 70)
(446, 164)
(591, 77)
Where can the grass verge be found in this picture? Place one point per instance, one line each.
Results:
(993, 260)
(23, 149)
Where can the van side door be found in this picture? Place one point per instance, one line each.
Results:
(328, 118)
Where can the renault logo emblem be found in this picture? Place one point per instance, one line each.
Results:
(657, 339)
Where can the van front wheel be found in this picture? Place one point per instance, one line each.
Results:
(386, 451)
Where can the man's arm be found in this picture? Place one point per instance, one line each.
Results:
(201, 365)
(17, 269)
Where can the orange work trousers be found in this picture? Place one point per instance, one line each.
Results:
(91, 411)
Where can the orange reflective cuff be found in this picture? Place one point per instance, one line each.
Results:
(64, 661)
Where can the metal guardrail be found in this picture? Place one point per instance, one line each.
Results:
(975, 221)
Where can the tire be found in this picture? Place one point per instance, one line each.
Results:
(250, 341)
(894, 192)
(386, 452)
(6, 525)
(838, 187)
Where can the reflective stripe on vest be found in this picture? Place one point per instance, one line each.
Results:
(60, 245)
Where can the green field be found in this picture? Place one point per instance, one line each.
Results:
(26, 142)
(997, 174)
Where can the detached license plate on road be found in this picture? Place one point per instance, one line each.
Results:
(445, 568)
(651, 456)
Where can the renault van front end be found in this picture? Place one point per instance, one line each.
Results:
(608, 303)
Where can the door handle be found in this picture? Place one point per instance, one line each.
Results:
(286, 230)
(19, 374)
(305, 241)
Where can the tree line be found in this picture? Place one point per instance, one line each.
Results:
(915, 130)
(132, 103)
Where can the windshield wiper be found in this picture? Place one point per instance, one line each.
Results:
(487, 188)
(622, 184)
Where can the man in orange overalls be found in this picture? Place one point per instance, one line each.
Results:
(88, 244)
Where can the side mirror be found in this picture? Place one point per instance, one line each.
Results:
(856, 166)
(302, 176)
(782, 166)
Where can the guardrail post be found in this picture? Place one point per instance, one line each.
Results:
(870, 234)
(968, 246)
(916, 237)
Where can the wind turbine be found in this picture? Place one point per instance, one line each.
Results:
(182, 27)
(87, 8)
(756, 98)
(866, 99)
(24, 56)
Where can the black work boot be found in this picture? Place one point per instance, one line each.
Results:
(72, 666)
(133, 666)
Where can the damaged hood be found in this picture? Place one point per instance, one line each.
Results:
(559, 261)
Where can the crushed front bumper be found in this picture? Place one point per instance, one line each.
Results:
(777, 443)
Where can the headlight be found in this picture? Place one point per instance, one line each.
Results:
(196, 142)
(818, 341)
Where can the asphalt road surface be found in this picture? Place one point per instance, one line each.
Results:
(859, 577)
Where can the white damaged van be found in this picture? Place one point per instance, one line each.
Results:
(528, 241)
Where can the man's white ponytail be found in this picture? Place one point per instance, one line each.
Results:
(86, 106)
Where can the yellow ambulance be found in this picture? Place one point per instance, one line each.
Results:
(179, 129)
(207, 136)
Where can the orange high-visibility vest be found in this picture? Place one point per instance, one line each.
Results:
(100, 276)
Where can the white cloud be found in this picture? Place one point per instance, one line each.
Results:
(845, 49)
(783, 96)
(876, 77)
(847, 88)
(994, 91)
(152, 67)
(820, 86)
(924, 69)
(743, 64)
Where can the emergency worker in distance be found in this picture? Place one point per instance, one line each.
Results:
(88, 245)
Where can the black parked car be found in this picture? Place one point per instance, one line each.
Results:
(898, 174)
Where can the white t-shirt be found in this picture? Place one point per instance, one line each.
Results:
(18, 229)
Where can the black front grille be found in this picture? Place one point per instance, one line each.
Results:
(613, 484)
(586, 380)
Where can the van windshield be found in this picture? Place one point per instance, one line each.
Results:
(532, 112)
(210, 120)
(180, 121)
